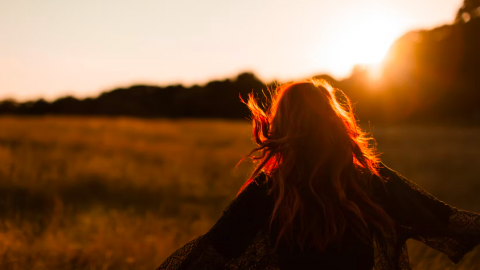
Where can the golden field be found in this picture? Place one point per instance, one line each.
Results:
(123, 193)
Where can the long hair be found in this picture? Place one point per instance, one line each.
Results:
(319, 163)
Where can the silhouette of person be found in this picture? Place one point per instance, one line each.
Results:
(319, 198)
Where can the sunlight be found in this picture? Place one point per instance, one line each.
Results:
(369, 39)
(374, 71)
(364, 39)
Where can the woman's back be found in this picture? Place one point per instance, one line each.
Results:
(350, 252)
(249, 215)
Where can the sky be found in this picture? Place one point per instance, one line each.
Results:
(55, 48)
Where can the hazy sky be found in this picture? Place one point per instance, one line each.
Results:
(52, 48)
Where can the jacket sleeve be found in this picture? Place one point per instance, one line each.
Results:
(427, 219)
(231, 235)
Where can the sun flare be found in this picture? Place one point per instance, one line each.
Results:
(363, 39)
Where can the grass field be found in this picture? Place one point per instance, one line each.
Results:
(121, 193)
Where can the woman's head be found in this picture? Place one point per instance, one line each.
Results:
(316, 127)
(319, 163)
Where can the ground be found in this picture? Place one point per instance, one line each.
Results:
(123, 193)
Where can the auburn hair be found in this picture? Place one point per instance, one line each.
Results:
(319, 165)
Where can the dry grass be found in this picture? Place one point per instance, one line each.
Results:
(120, 193)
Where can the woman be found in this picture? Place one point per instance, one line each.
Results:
(320, 199)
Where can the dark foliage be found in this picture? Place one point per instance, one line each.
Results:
(217, 99)
(432, 75)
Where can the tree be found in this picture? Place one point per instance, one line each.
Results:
(469, 10)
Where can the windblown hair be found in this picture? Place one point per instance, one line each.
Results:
(319, 164)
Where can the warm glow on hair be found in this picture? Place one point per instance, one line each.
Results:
(319, 165)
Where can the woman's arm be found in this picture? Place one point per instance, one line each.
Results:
(231, 235)
(429, 220)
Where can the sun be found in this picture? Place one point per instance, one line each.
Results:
(364, 38)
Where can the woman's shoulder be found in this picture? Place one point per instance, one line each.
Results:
(391, 184)
(389, 179)
(261, 179)
(255, 185)
(254, 194)
(389, 174)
